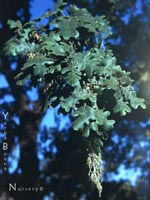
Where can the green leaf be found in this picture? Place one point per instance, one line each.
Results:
(83, 114)
(125, 80)
(108, 125)
(15, 47)
(136, 102)
(53, 68)
(122, 108)
(67, 27)
(54, 45)
(86, 131)
(73, 79)
(14, 24)
(78, 63)
(86, 114)
(40, 70)
(97, 25)
(94, 126)
(68, 103)
(96, 144)
(101, 119)
(39, 64)
(26, 34)
(111, 83)
(130, 94)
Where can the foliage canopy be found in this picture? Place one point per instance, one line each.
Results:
(68, 56)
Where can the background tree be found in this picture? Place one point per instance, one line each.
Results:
(19, 107)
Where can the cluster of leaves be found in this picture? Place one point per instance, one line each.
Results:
(67, 55)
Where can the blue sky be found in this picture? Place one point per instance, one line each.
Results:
(38, 7)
